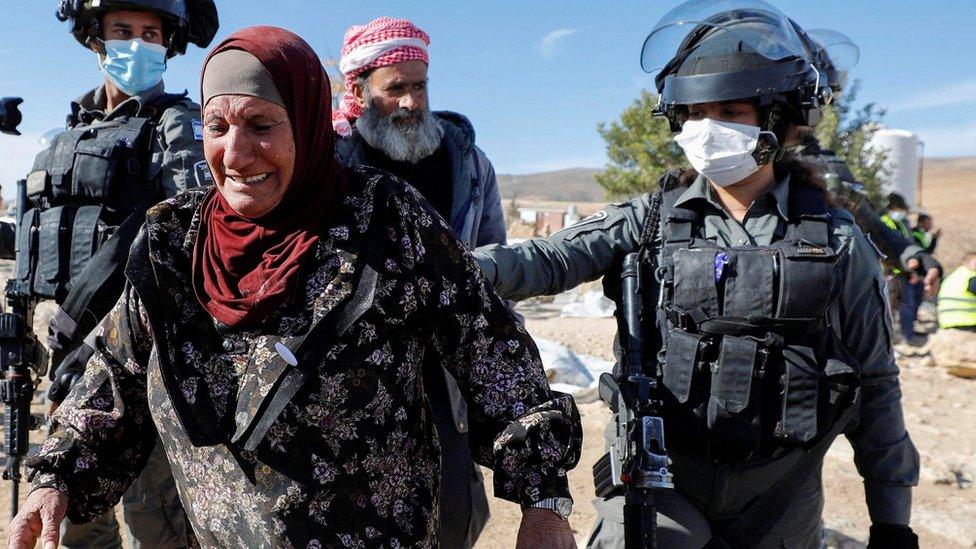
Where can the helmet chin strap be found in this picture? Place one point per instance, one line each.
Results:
(775, 122)
(768, 148)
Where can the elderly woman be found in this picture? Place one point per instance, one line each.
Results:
(273, 331)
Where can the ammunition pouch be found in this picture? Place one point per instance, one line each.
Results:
(104, 164)
(81, 188)
(748, 350)
(55, 245)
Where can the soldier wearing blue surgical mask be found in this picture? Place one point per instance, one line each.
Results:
(764, 317)
(128, 145)
(131, 54)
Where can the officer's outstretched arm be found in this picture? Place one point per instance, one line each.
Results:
(567, 258)
(883, 453)
(891, 242)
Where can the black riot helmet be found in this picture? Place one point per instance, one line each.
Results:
(723, 50)
(184, 21)
(837, 55)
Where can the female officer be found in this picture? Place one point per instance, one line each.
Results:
(770, 325)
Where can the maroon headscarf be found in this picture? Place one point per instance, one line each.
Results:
(245, 268)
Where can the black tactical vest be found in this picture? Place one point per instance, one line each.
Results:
(80, 189)
(751, 364)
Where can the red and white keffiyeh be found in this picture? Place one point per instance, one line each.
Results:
(381, 42)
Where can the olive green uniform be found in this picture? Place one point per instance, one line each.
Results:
(153, 514)
(707, 492)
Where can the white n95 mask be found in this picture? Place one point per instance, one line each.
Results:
(721, 151)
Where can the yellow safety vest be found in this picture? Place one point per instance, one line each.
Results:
(957, 305)
(902, 228)
(899, 226)
(922, 237)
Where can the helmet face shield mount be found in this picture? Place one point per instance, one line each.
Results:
(730, 86)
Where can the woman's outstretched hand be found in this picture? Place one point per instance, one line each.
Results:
(39, 518)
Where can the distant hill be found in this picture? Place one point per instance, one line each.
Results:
(572, 185)
(944, 178)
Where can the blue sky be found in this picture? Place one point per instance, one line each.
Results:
(535, 76)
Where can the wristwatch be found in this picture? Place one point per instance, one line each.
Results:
(561, 506)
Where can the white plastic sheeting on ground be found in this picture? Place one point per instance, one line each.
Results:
(593, 304)
(570, 373)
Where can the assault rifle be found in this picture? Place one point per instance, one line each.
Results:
(23, 360)
(638, 459)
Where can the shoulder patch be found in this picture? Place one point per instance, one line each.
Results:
(588, 220)
(202, 175)
(598, 216)
(197, 130)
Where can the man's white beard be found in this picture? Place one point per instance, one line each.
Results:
(404, 136)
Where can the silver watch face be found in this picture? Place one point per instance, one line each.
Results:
(564, 506)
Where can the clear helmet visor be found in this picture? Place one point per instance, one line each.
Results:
(754, 26)
(840, 51)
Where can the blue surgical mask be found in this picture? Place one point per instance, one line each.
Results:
(133, 65)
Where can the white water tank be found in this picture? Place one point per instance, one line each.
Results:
(901, 148)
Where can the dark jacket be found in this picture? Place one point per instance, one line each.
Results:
(896, 247)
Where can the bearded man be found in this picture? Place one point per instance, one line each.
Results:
(384, 121)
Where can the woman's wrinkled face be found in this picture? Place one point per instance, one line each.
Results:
(250, 147)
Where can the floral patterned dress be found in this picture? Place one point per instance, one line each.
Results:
(331, 444)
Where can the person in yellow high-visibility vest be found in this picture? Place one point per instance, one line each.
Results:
(897, 217)
(910, 291)
(925, 233)
(957, 298)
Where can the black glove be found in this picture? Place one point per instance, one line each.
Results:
(68, 373)
(892, 536)
(927, 262)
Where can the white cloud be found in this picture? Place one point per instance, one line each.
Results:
(959, 93)
(551, 44)
(16, 158)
